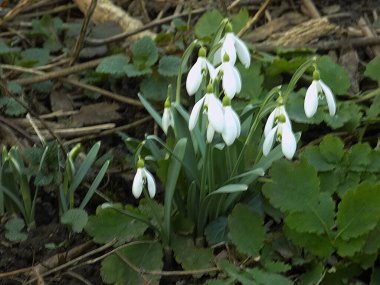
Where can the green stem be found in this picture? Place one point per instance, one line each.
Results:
(252, 130)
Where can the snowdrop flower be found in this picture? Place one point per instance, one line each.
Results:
(232, 45)
(167, 117)
(318, 90)
(214, 109)
(282, 130)
(231, 80)
(232, 127)
(196, 73)
(143, 177)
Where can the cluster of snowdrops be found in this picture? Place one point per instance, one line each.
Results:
(221, 117)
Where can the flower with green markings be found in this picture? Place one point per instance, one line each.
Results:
(233, 46)
(197, 72)
(142, 178)
(231, 80)
(318, 90)
(232, 126)
(278, 125)
(214, 109)
(167, 117)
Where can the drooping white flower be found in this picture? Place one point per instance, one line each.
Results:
(316, 91)
(233, 46)
(197, 72)
(213, 107)
(167, 117)
(231, 80)
(143, 177)
(278, 125)
(232, 126)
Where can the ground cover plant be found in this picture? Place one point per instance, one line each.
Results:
(239, 162)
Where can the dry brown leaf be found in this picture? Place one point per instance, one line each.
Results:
(98, 113)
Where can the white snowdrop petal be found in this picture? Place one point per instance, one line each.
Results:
(242, 52)
(311, 100)
(237, 79)
(329, 98)
(138, 183)
(288, 142)
(217, 59)
(151, 183)
(166, 120)
(211, 70)
(230, 131)
(215, 113)
(268, 141)
(195, 113)
(229, 82)
(269, 124)
(229, 48)
(210, 133)
(237, 123)
(194, 77)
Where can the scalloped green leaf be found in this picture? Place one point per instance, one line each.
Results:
(372, 244)
(144, 52)
(372, 69)
(312, 155)
(268, 278)
(334, 75)
(217, 230)
(246, 230)
(317, 220)
(190, 256)
(113, 65)
(132, 70)
(15, 225)
(294, 187)
(359, 211)
(76, 219)
(155, 87)
(169, 65)
(332, 149)
(146, 256)
(349, 247)
(15, 236)
(111, 224)
(34, 57)
(348, 116)
(359, 157)
(319, 245)
(208, 24)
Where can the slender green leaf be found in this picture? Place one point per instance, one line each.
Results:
(173, 173)
(94, 185)
(230, 188)
(84, 168)
(155, 115)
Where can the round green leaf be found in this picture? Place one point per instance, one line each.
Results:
(334, 75)
(359, 211)
(113, 65)
(110, 224)
(372, 69)
(145, 255)
(76, 218)
(246, 230)
(294, 187)
(169, 65)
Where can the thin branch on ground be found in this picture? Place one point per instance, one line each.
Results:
(80, 41)
(255, 18)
